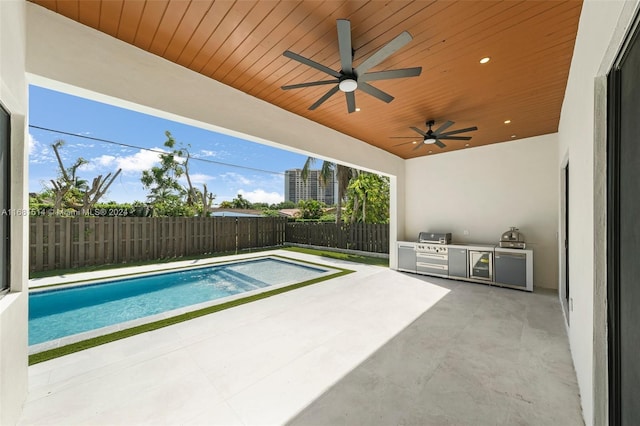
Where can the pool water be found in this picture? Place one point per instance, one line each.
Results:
(58, 313)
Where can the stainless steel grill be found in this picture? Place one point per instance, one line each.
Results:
(434, 237)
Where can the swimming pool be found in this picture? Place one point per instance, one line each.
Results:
(56, 313)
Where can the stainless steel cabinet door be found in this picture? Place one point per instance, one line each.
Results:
(511, 269)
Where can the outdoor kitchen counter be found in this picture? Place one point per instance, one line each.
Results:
(473, 246)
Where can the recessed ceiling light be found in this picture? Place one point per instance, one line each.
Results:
(414, 142)
(466, 144)
(513, 136)
(507, 121)
(485, 60)
(430, 152)
(357, 109)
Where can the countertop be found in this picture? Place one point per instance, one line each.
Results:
(474, 246)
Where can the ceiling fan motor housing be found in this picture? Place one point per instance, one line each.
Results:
(348, 83)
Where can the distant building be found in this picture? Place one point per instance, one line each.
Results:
(296, 188)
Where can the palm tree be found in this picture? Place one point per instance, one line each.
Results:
(343, 176)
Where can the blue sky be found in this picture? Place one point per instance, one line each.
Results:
(59, 111)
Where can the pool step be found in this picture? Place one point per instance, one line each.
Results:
(240, 278)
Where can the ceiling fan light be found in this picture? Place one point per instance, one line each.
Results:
(348, 85)
(429, 141)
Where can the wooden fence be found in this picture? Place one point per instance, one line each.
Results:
(358, 236)
(65, 243)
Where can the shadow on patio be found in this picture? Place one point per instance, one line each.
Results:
(480, 356)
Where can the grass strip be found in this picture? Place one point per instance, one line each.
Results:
(107, 338)
(368, 260)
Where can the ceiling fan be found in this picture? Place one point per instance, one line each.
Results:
(348, 79)
(435, 136)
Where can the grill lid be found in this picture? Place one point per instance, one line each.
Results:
(434, 237)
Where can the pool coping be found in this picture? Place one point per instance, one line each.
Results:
(80, 341)
(139, 271)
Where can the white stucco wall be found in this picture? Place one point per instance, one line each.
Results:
(602, 24)
(13, 306)
(486, 190)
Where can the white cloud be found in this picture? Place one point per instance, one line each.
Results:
(89, 167)
(105, 160)
(261, 196)
(134, 163)
(236, 179)
(100, 163)
(141, 160)
(199, 178)
(39, 153)
(207, 153)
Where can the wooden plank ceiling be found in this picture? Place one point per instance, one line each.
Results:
(240, 43)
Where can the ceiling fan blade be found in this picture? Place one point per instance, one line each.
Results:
(324, 98)
(440, 144)
(418, 146)
(443, 127)
(404, 143)
(344, 45)
(455, 138)
(312, 83)
(387, 75)
(415, 129)
(384, 52)
(375, 92)
(351, 102)
(313, 64)
(455, 132)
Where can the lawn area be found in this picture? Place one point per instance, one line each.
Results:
(367, 260)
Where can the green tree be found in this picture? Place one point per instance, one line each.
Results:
(173, 206)
(240, 203)
(162, 180)
(368, 198)
(284, 205)
(343, 177)
(311, 209)
(260, 206)
(166, 192)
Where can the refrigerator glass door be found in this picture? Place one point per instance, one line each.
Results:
(481, 265)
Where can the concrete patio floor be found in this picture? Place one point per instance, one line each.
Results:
(377, 347)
